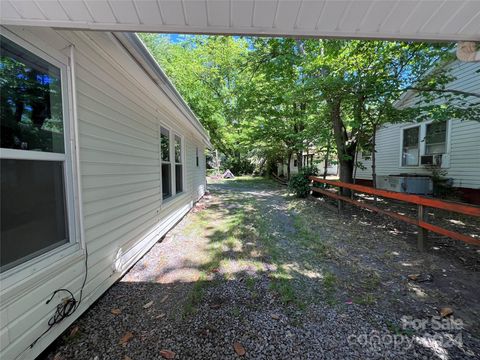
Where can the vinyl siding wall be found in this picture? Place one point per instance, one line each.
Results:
(120, 110)
(463, 139)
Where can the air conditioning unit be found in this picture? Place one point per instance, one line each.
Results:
(411, 184)
(432, 160)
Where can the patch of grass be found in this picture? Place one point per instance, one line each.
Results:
(398, 330)
(195, 296)
(330, 285)
(365, 299)
(250, 283)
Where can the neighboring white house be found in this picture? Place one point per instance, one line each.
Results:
(100, 156)
(312, 158)
(410, 148)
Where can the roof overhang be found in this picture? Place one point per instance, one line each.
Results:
(432, 20)
(140, 53)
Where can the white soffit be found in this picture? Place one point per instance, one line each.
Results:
(372, 19)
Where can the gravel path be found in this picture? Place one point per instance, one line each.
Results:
(253, 273)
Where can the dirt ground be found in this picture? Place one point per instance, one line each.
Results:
(253, 272)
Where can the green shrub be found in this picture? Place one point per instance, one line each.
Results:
(299, 184)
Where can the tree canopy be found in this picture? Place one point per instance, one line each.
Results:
(269, 99)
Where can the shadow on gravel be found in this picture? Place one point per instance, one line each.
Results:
(283, 277)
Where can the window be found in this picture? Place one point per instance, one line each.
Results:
(295, 163)
(435, 138)
(166, 163)
(178, 165)
(410, 148)
(196, 156)
(33, 157)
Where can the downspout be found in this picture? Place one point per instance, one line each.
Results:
(467, 51)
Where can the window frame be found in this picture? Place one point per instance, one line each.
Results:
(403, 129)
(422, 143)
(424, 138)
(182, 163)
(161, 161)
(72, 189)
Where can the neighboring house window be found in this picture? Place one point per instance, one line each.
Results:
(411, 149)
(178, 165)
(166, 163)
(294, 163)
(436, 138)
(196, 155)
(33, 158)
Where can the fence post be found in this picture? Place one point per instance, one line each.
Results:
(339, 201)
(422, 233)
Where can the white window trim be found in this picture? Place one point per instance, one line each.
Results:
(160, 126)
(182, 155)
(36, 265)
(422, 145)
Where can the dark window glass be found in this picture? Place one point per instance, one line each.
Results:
(197, 156)
(178, 178)
(33, 210)
(165, 144)
(166, 181)
(30, 102)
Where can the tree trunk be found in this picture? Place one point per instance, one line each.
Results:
(299, 161)
(345, 148)
(374, 166)
(288, 165)
(327, 158)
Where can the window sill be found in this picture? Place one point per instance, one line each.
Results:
(29, 274)
(172, 200)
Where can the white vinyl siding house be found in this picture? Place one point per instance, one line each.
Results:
(114, 109)
(460, 147)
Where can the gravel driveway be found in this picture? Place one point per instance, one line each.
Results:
(254, 273)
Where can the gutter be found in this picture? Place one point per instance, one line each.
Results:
(145, 59)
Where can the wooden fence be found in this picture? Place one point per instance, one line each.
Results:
(421, 201)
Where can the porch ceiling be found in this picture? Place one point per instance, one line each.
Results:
(379, 19)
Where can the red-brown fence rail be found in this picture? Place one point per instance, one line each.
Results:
(420, 201)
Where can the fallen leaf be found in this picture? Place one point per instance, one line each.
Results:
(126, 338)
(215, 306)
(164, 298)
(167, 354)
(239, 349)
(413, 277)
(446, 311)
(58, 356)
(215, 270)
(275, 316)
(147, 305)
(349, 302)
(160, 316)
(116, 311)
(74, 331)
(127, 357)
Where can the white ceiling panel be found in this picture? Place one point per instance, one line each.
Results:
(242, 13)
(196, 13)
(101, 11)
(218, 13)
(148, 12)
(76, 10)
(27, 9)
(124, 11)
(332, 15)
(172, 12)
(52, 9)
(7, 10)
(287, 13)
(264, 12)
(371, 19)
(309, 13)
